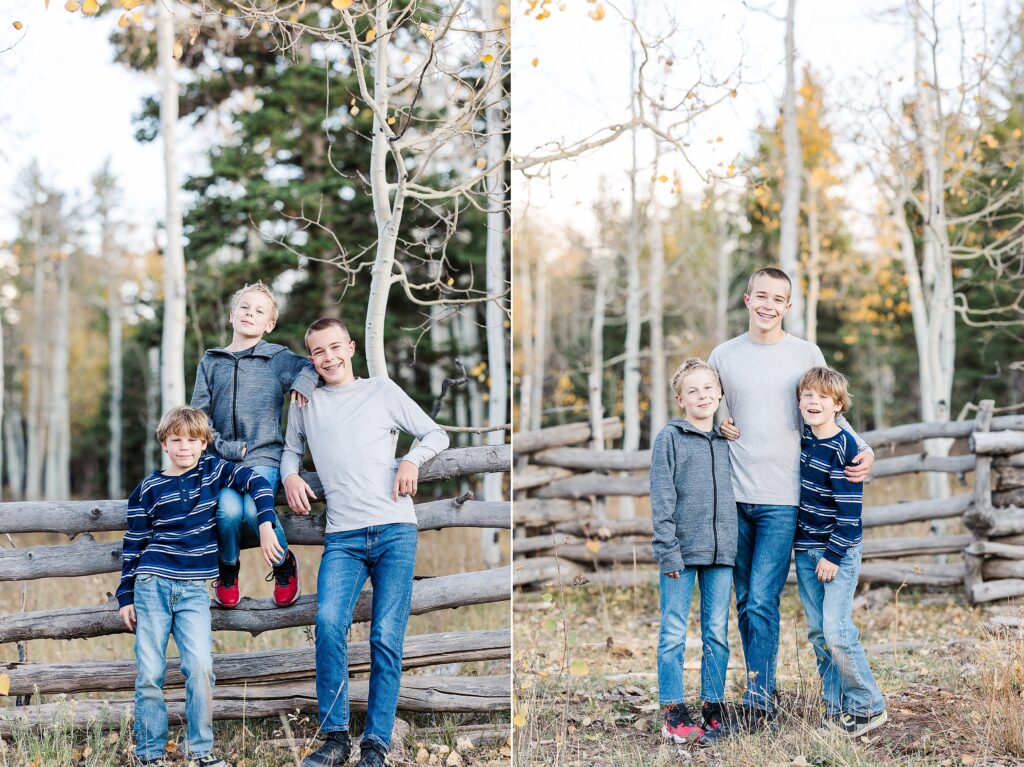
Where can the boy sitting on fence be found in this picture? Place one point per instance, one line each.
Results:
(828, 552)
(371, 531)
(694, 517)
(169, 552)
(241, 388)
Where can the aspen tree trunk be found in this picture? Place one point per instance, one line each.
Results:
(3, 400)
(34, 423)
(524, 292)
(659, 381)
(631, 363)
(595, 378)
(789, 244)
(58, 439)
(540, 334)
(813, 264)
(111, 256)
(152, 409)
(172, 374)
(14, 449)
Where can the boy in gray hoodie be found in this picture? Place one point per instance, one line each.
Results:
(241, 388)
(694, 518)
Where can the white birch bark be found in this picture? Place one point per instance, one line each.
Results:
(152, 409)
(58, 428)
(524, 334)
(35, 425)
(104, 187)
(813, 264)
(658, 394)
(3, 401)
(595, 377)
(789, 244)
(540, 340)
(172, 374)
(14, 449)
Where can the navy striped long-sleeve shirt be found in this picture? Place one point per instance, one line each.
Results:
(830, 504)
(172, 524)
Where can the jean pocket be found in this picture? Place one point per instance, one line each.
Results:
(144, 578)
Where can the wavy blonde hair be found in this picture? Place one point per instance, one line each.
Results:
(689, 366)
(185, 421)
(829, 382)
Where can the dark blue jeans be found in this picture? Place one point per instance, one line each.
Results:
(762, 565)
(236, 515)
(387, 556)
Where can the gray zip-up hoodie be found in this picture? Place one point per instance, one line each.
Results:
(693, 509)
(244, 398)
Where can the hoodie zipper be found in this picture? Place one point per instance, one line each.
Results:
(714, 511)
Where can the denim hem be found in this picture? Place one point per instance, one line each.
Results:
(375, 739)
(675, 702)
(334, 730)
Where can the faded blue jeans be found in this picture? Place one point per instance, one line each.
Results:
(164, 607)
(676, 594)
(848, 686)
(385, 554)
(762, 565)
(236, 515)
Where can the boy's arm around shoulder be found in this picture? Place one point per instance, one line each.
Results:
(296, 373)
(409, 417)
(202, 398)
(136, 538)
(663, 504)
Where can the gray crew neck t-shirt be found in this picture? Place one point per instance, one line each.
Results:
(760, 382)
(348, 430)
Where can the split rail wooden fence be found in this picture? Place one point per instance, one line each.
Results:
(256, 684)
(559, 487)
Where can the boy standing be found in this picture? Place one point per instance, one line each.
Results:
(828, 552)
(760, 371)
(241, 388)
(169, 551)
(371, 530)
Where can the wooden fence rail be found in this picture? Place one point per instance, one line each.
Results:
(261, 683)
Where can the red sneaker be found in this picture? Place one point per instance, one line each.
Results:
(679, 725)
(286, 581)
(225, 588)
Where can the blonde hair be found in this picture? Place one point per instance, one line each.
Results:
(829, 382)
(256, 287)
(689, 366)
(775, 274)
(185, 421)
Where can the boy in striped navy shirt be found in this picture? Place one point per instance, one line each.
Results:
(169, 551)
(828, 552)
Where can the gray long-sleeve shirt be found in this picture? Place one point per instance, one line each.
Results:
(760, 382)
(348, 430)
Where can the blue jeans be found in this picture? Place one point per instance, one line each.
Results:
(848, 686)
(715, 591)
(762, 565)
(163, 607)
(236, 514)
(387, 555)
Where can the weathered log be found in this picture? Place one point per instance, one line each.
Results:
(907, 464)
(532, 477)
(1015, 460)
(996, 523)
(1008, 498)
(86, 556)
(1008, 478)
(559, 436)
(997, 442)
(992, 591)
(915, 432)
(538, 512)
(583, 485)
(583, 459)
(543, 542)
(258, 615)
(994, 569)
(917, 511)
(982, 548)
(74, 517)
(608, 528)
(254, 668)
(463, 461)
(542, 570)
(466, 694)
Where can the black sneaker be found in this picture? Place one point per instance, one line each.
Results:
(754, 719)
(855, 726)
(715, 721)
(371, 754)
(333, 753)
(209, 760)
(679, 726)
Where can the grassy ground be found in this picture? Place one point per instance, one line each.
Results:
(586, 689)
(268, 743)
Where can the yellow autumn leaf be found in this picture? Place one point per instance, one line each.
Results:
(90, 8)
(136, 17)
(124, 21)
(481, 163)
(406, 58)
(535, 62)
(663, 179)
(598, 13)
(371, 34)
(487, 58)
(503, 10)
(18, 25)
(179, 50)
(391, 121)
(578, 668)
(519, 720)
(71, 6)
(340, 5)
(426, 31)
(593, 546)
(733, 93)
(5, 684)
(353, 111)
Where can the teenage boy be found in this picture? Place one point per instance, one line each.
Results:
(169, 552)
(241, 387)
(828, 552)
(760, 371)
(371, 530)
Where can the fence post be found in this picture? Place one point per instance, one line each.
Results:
(982, 504)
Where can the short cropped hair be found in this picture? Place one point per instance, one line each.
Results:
(185, 421)
(769, 271)
(322, 324)
(257, 287)
(829, 382)
(689, 366)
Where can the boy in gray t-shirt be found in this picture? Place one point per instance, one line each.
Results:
(760, 371)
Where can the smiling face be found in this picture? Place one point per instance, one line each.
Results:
(253, 315)
(767, 302)
(330, 351)
(699, 395)
(818, 408)
(183, 450)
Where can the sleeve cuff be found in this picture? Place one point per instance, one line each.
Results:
(833, 556)
(672, 564)
(123, 600)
